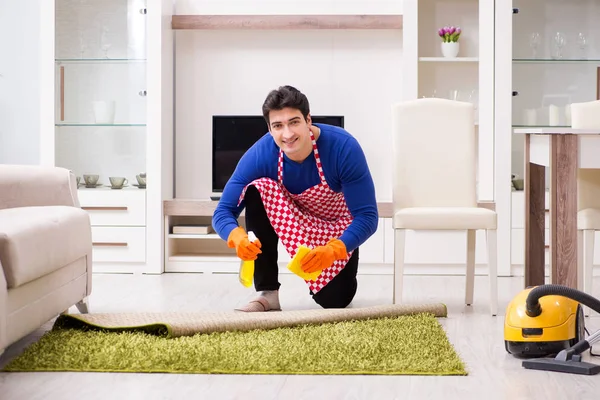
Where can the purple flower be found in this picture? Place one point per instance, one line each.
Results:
(449, 33)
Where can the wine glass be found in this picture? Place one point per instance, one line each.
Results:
(454, 94)
(474, 99)
(82, 45)
(534, 43)
(433, 95)
(559, 43)
(104, 44)
(582, 43)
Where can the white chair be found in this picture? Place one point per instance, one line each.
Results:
(434, 184)
(587, 116)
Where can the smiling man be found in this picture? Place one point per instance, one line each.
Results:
(304, 184)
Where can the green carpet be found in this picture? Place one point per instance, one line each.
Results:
(402, 345)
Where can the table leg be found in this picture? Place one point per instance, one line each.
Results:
(535, 209)
(563, 209)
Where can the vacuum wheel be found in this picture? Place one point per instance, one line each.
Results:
(579, 326)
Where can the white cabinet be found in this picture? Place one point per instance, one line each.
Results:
(372, 250)
(545, 60)
(109, 88)
(124, 244)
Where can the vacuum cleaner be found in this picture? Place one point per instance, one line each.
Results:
(545, 325)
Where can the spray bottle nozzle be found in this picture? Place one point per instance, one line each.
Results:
(251, 236)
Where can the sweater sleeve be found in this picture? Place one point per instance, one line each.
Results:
(227, 212)
(359, 191)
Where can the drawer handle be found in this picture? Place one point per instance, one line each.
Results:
(109, 244)
(104, 208)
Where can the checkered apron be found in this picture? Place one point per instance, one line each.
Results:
(310, 218)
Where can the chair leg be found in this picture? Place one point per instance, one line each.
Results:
(471, 241)
(82, 306)
(580, 256)
(399, 244)
(588, 264)
(492, 244)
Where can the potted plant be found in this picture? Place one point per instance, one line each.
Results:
(450, 36)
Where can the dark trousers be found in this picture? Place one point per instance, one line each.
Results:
(336, 294)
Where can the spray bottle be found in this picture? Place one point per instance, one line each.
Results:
(246, 274)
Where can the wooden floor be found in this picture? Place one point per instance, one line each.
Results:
(477, 336)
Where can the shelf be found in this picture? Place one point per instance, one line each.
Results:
(447, 59)
(553, 61)
(100, 60)
(286, 22)
(108, 187)
(193, 236)
(120, 125)
(204, 257)
(541, 126)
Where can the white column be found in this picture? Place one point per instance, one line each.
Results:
(503, 131)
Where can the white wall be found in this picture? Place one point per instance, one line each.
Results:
(20, 33)
(354, 73)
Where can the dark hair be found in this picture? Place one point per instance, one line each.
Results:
(285, 96)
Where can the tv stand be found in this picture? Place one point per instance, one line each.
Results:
(215, 198)
(209, 253)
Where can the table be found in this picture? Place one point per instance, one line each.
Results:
(563, 151)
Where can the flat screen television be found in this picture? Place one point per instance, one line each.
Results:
(233, 135)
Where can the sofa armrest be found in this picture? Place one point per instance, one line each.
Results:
(33, 185)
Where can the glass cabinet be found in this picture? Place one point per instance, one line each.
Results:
(107, 100)
(100, 88)
(555, 62)
(546, 57)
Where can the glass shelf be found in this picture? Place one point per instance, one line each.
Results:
(77, 124)
(553, 60)
(541, 126)
(99, 60)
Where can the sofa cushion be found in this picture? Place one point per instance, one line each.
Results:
(35, 241)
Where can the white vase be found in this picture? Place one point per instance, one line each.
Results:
(450, 49)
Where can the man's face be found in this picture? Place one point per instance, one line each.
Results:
(291, 132)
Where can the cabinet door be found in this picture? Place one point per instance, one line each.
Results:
(554, 64)
(100, 88)
(371, 251)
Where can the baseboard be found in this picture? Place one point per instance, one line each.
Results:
(420, 269)
(363, 269)
(519, 270)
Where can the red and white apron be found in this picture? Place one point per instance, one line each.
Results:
(310, 218)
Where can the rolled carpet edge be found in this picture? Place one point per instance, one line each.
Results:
(175, 324)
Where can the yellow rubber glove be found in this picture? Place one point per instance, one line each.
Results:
(244, 248)
(322, 257)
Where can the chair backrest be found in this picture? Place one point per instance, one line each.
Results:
(587, 116)
(434, 154)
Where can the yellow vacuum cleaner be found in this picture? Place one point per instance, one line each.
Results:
(546, 321)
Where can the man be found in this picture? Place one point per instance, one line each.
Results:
(304, 184)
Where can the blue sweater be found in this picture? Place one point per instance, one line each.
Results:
(345, 168)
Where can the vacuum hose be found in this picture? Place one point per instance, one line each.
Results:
(533, 307)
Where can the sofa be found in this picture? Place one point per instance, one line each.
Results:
(45, 249)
